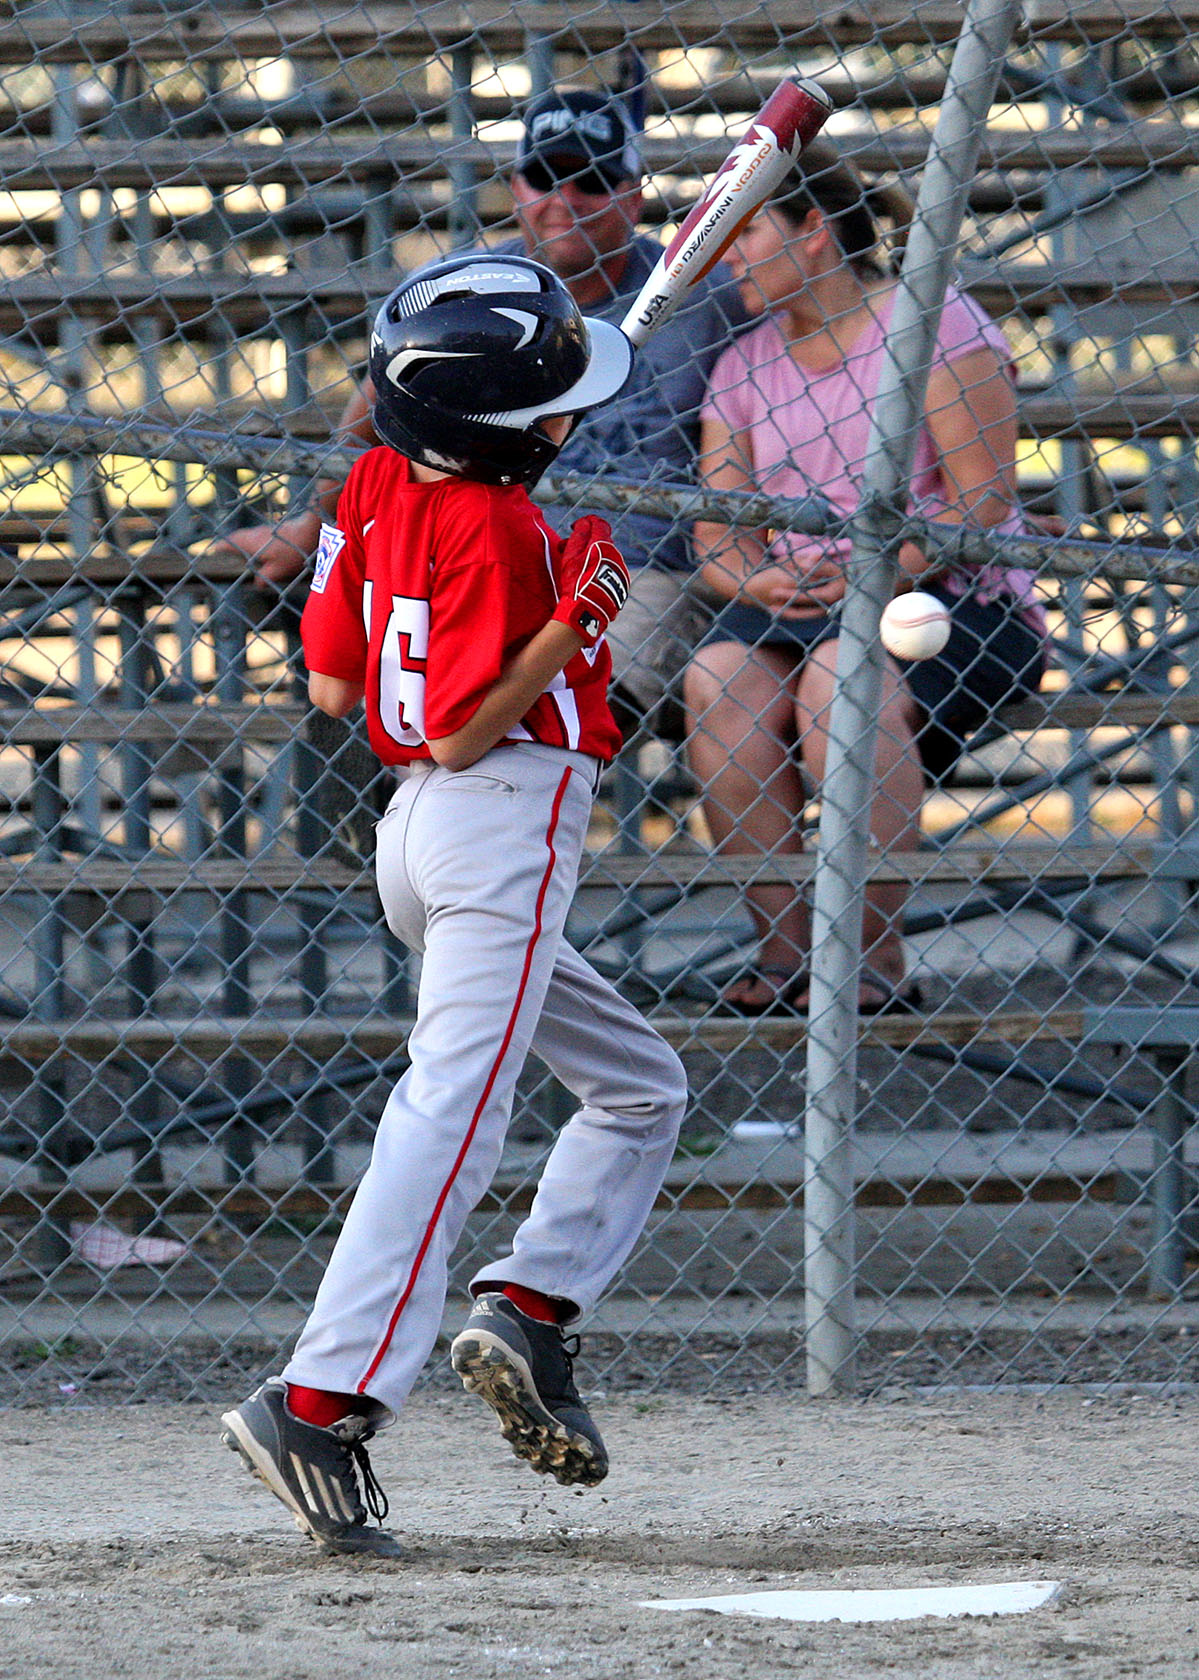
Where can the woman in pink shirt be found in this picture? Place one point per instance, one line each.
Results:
(788, 412)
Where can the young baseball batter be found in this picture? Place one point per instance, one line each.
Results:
(476, 636)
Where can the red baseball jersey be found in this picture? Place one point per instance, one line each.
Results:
(424, 591)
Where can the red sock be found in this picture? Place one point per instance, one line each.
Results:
(318, 1406)
(532, 1303)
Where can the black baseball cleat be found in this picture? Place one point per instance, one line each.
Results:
(313, 1471)
(523, 1368)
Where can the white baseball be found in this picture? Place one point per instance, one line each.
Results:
(914, 626)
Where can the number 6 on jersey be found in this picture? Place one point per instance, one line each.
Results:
(402, 660)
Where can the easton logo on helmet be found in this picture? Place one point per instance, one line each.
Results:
(417, 294)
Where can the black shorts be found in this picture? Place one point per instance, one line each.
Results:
(992, 658)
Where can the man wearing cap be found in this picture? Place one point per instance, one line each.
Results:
(576, 189)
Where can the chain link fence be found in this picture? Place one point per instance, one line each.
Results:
(200, 1011)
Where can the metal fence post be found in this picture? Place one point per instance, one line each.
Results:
(464, 202)
(845, 794)
(1172, 1116)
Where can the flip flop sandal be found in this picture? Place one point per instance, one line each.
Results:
(781, 1000)
(892, 1000)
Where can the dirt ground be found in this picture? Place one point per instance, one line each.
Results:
(133, 1544)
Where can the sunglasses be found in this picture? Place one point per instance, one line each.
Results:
(545, 177)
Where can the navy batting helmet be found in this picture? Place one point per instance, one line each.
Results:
(471, 352)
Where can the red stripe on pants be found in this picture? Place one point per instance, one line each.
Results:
(406, 1294)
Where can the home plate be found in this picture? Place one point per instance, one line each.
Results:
(885, 1604)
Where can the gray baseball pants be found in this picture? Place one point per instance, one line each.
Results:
(476, 870)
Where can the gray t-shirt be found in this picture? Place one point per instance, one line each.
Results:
(653, 425)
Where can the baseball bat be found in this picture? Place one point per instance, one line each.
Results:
(794, 114)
